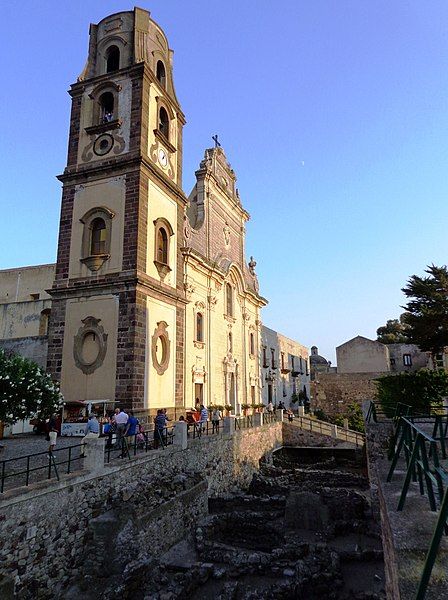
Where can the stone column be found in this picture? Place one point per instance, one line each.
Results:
(279, 415)
(334, 431)
(301, 412)
(258, 419)
(180, 435)
(229, 425)
(345, 423)
(94, 454)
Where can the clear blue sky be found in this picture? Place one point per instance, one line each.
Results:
(333, 114)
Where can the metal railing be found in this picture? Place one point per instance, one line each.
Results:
(139, 443)
(30, 468)
(197, 429)
(245, 422)
(328, 429)
(268, 417)
(378, 412)
(421, 452)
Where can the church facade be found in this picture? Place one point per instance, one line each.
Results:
(153, 303)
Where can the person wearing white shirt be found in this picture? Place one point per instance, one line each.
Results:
(120, 419)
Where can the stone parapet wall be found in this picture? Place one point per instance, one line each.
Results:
(333, 392)
(44, 528)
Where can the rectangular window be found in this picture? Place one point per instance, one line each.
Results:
(265, 359)
(252, 394)
(392, 362)
(407, 360)
(292, 363)
(283, 360)
(273, 365)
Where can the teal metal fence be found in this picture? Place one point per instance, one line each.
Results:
(423, 453)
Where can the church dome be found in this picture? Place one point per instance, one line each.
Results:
(316, 358)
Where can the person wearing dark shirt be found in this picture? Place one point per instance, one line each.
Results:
(159, 428)
(132, 424)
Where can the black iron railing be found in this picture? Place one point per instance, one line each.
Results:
(142, 442)
(244, 422)
(197, 429)
(23, 470)
(269, 417)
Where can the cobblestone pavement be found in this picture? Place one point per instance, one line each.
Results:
(13, 473)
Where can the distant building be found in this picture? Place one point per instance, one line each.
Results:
(25, 308)
(284, 367)
(360, 362)
(319, 364)
(362, 355)
(408, 357)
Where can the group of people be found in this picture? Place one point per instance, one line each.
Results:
(215, 417)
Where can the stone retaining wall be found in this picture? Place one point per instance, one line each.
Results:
(44, 528)
(333, 392)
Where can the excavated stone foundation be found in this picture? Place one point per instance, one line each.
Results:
(305, 530)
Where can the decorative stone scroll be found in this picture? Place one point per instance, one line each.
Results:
(90, 345)
(160, 348)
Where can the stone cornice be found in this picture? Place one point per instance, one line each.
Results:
(122, 166)
(114, 285)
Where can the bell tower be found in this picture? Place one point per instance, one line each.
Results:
(117, 324)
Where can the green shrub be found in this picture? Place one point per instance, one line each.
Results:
(26, 390)
(421, 391)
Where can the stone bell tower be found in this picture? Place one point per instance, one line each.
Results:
(117, 322)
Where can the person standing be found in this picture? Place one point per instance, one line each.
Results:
(132, 424)
(203, 418)
(92, 430)
(216, 417)
(52, 432)
(159, 428)
(120, 420)
(270, 408)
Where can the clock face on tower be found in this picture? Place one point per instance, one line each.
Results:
(163, 158)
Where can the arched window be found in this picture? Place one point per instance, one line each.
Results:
(98, 237)
(162, 234)
(229, 300)
(160, 72)
(162, 246)
(164, 126)
(199, 327)
(251, 344)
(112, 59)
(107, 106)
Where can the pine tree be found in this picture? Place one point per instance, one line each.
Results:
(427, 311)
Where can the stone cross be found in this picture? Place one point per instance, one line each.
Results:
(215, 139)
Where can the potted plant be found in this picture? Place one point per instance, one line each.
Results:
(245, 408)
